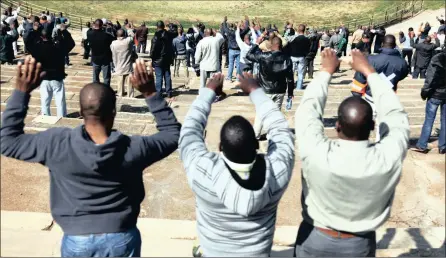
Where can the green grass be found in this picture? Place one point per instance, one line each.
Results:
(313, 13)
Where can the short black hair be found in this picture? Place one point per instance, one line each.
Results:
(360, 123)
(410, 29)
(238, 141)
(441, 21)
(160, 25)
(99, 23)
(97, 101)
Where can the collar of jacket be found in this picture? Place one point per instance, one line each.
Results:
(390, 52)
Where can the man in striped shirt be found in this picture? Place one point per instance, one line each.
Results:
(237, 190)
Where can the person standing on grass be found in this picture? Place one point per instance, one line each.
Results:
(434, 91)
(85, 43)
(101, 55)
(122, 49)
(342, 222)
(142, 33)
(237, 189)
(51, 54)
(161, 52)
(96, 185)
(179, 48)
(275, 77)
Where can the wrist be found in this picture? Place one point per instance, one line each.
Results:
(367, 72)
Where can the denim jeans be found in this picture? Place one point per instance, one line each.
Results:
(47, 88)
(160, 74)
(125, 244)
(299, 67)
(106, 73)
(234, 55)
(190, 54)
(431, 111)
(312, 242)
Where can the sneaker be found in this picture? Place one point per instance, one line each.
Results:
(416, 149)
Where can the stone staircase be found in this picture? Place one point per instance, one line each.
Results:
(168, 195)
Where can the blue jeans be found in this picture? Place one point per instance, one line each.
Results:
(106, 73)
(299, 67)
(234, 55)
(125, 244)
(431, 111)
(47, 88)
(160, 74)
(311, 242)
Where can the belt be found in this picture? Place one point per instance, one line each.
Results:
(337, 234)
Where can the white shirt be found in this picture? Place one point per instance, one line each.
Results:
(12, 18)
(208, 53)
(349, 185)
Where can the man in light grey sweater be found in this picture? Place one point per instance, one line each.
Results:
(207, 55)
(237, 190)
(349, 183)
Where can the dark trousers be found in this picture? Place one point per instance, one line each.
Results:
(141, 48)
(67, 59)
(86, 51)
(408, 53)
(163, 73)
(311, 242)
(106, 73)
(322, 48)
(353, 46)
(309, 65)
(417, 71)
(344, 50)
(190, 54)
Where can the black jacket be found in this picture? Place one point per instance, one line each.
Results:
(275, 70)
(51, 54)
(299, 46)
(6, 51)
(364, 47)
(424, 53)
(161, 50)
(435, 83)
(100, 42)
(230, 34)
(314, 42)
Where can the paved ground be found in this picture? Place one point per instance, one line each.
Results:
(419, 205)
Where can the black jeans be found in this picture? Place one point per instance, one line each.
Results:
(141, 48)
(86, 51)
(353, 46)
(408, 53)
(106, 73)
(309, 65)
(190, 53)
(417, 71)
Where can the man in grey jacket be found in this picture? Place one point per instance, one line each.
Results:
(342, 211)
(237, 190)
(207, 55)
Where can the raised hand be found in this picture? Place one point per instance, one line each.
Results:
(330, 61)
(216, 83)
(142, 80)
(247, 82)
(360, 63)
(31, 77)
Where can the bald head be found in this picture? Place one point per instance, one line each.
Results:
(355, 119)
(389, 41)
(276, 43)
(97, 102)
(120, 33)
(428, 40)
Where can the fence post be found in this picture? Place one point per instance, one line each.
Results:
(413, 8)
(81, 23)
(422, 1)
(396, 13)
(402, 13)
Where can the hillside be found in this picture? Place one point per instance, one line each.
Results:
(314, 13)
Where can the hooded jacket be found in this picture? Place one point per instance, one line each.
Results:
(275, 70)
(390, 63)
(94, 189)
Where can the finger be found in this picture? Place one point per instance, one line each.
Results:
(139, 71)
(19, 70)
(37, 72)
(150, 68)
(31, 70)
(144, 74)
(25, 66)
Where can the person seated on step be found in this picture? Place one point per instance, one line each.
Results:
(96, 185)
(348, 184)
(388, 63)
(237, 190)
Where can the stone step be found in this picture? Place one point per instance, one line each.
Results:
(175, 238)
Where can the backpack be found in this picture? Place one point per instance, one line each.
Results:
(342, 43)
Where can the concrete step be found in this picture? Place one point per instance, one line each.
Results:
(175, 238)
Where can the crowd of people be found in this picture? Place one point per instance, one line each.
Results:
(238, 188)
